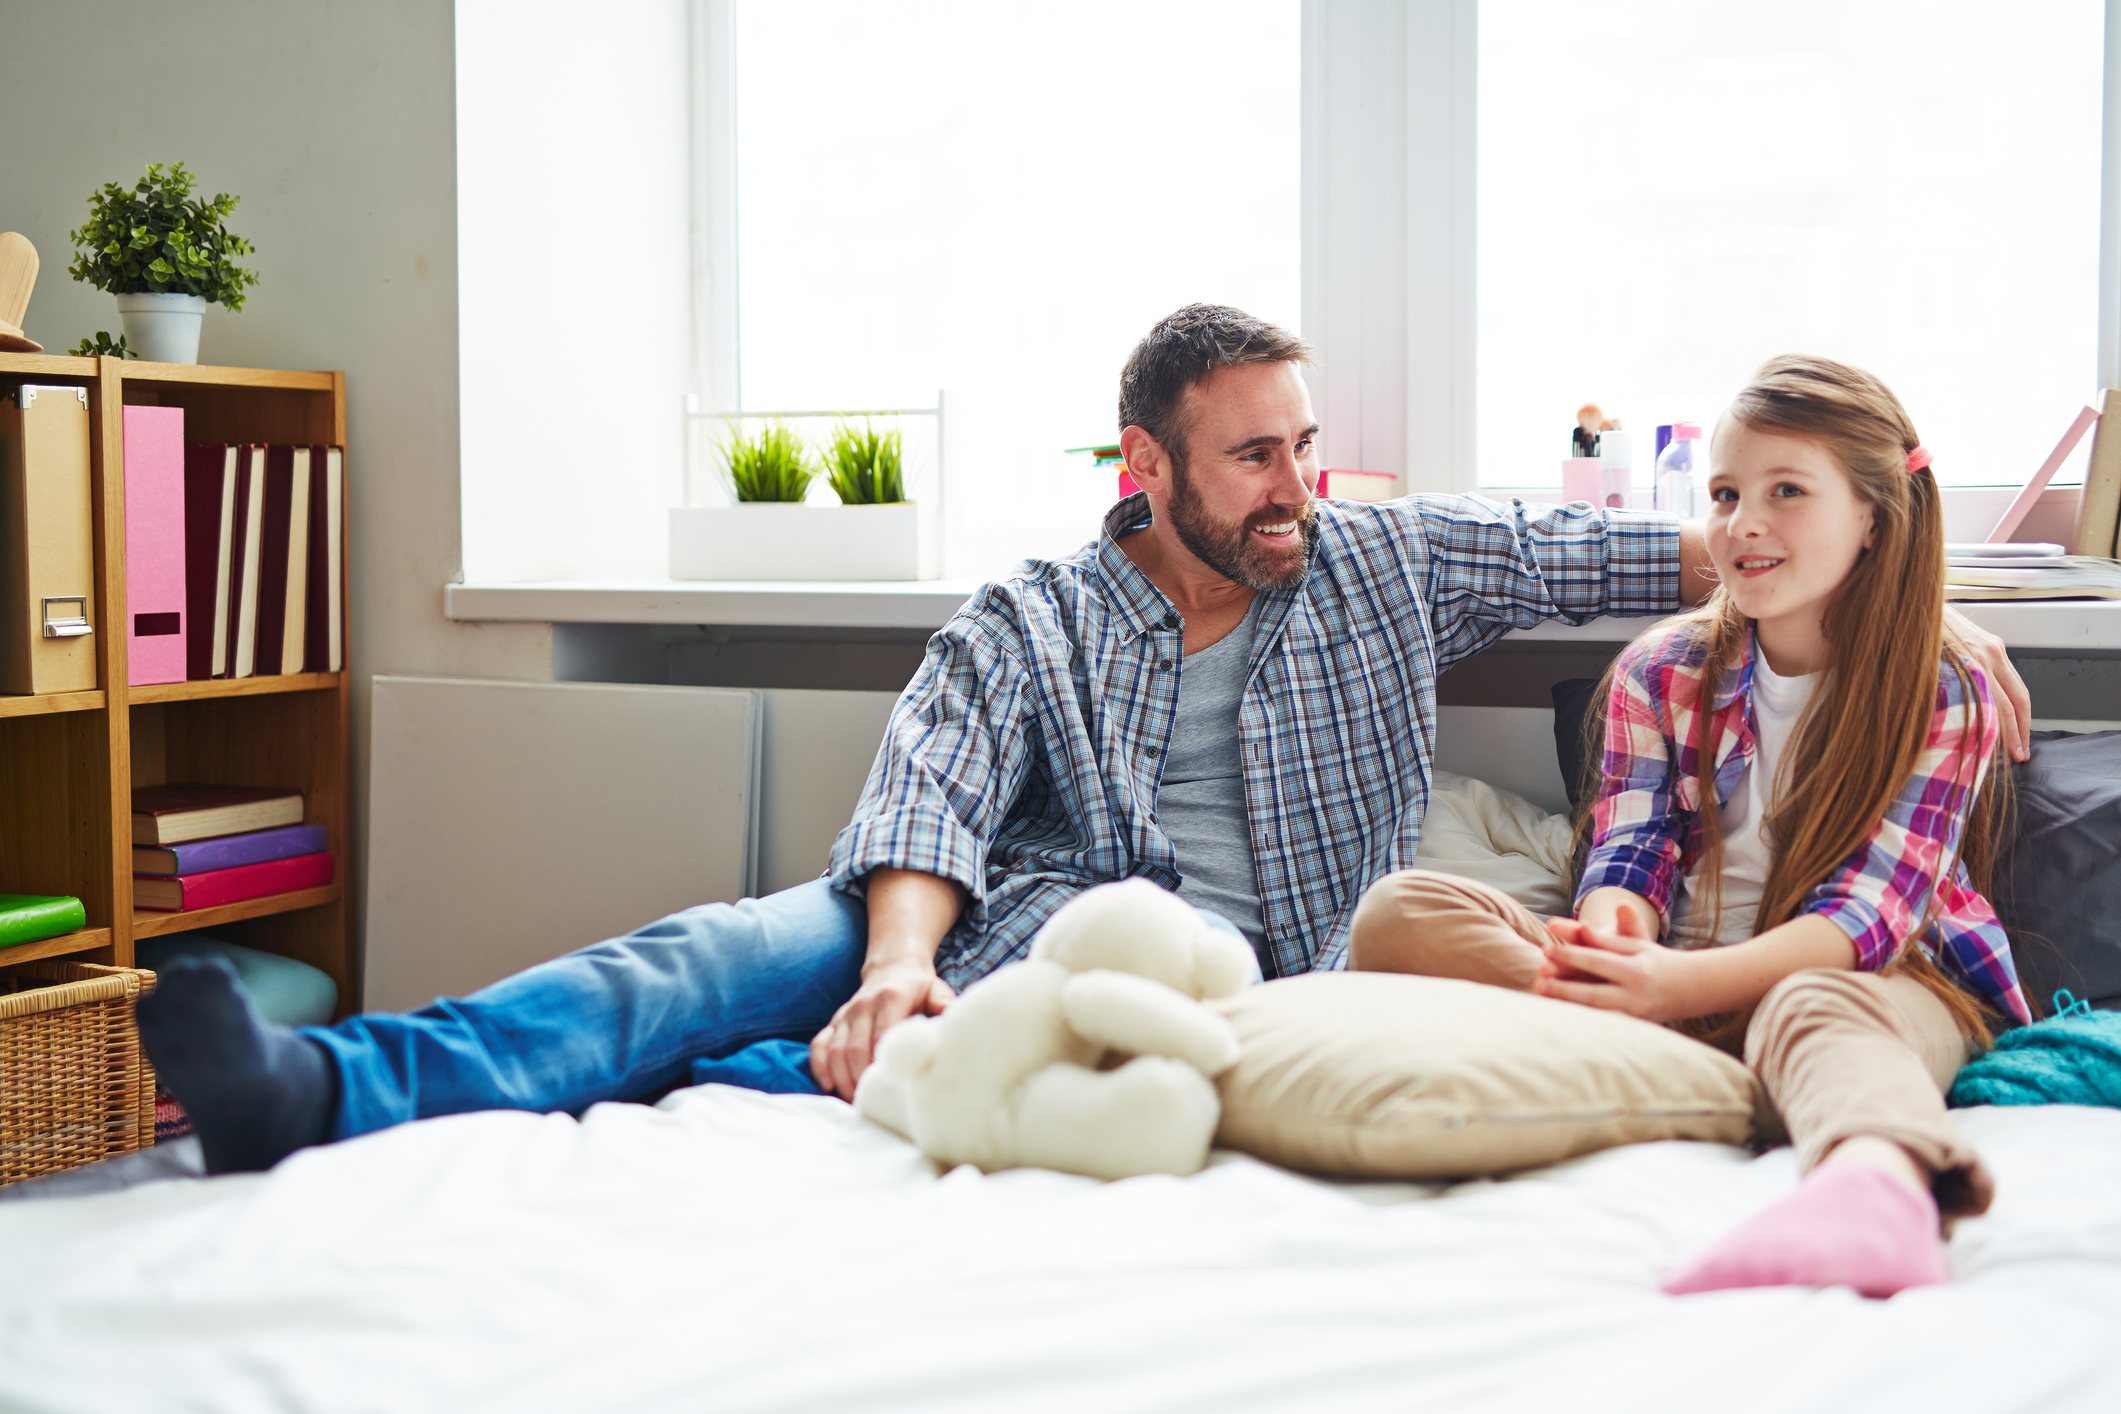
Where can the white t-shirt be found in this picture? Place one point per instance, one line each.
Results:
(1778, 702)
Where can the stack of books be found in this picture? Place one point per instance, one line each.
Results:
(198, 846)
(29, 918)
(2028, 572)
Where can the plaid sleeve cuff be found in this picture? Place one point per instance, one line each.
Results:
(1642, 572)
(1597, 562)
(1639, 870)
(1865, 925)
(927, 841)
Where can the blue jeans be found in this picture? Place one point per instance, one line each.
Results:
(622, 1020)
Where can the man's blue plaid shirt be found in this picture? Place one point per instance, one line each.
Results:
(1023, 759)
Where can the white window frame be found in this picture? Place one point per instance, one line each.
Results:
(1390, 146)
(716, 316)
(1389, 110)
(1388, 236)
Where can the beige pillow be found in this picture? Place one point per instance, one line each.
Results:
(1383, 1076)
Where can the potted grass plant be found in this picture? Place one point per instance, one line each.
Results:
(866, 467)
(770, 468)
(166, 254)
(771, 532)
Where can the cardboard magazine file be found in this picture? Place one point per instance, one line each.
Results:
(2099, 514)
(47, 543)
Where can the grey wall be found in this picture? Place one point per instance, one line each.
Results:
(334, 122)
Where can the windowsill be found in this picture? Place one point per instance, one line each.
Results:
(857, 604)
(2084, 626)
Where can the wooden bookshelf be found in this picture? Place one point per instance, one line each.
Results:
(69, 761)
(86, 940)
(149, 924)
(52, 702)
(233, 687)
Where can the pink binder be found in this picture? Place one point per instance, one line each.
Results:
(154, 544)
(2014, 515)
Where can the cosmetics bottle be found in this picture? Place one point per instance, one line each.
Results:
(1675, 487)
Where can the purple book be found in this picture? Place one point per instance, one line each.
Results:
(228, 851)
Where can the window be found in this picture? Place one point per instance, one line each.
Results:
(1671, 191)
(997, 201)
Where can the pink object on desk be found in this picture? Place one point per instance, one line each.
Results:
(1583, 479)
(2023, 504)
(154, 545)
(1349, 483)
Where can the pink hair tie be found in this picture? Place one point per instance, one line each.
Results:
(1918, 459)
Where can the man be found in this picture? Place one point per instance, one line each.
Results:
(1051, 741)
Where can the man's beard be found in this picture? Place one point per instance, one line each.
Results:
(1230, 550)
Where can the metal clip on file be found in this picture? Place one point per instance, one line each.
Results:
(73, 625)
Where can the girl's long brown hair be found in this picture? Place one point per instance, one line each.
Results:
(1869, 718)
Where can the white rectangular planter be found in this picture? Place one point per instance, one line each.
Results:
(761, 540)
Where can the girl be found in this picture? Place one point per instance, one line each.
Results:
(1796, 799)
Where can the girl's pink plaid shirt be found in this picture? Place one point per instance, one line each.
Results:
(1645, 834)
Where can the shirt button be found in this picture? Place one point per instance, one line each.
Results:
(1165, 663)
(1153, 753)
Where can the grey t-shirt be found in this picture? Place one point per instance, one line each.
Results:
(1201, 802)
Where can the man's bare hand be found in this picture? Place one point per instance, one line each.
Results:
(1987, 650)
(888, 995)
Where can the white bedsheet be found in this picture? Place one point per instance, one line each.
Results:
(727, 1250)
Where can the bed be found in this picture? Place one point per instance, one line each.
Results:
(729, 1250)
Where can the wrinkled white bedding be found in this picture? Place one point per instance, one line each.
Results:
(1502, 840)
(733, 1251)
(727, 1250)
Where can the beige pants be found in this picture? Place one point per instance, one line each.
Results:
(1841, 1054)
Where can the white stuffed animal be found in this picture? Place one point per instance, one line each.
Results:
(1019, 1071)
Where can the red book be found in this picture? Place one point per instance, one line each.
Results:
(274, 557)
(187, 892)
(209, 540)
(243, 562)
(175, 814)
(324, 649)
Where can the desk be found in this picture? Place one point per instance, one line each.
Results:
(829, 660)
(2089, 625)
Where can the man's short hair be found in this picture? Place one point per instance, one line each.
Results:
(1182, 350)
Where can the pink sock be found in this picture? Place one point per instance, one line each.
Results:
(1846, 1225)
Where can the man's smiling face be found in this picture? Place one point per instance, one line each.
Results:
(1241, 496)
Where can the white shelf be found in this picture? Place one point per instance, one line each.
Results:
(2085, 626)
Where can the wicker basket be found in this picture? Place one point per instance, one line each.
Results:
(74, 1087)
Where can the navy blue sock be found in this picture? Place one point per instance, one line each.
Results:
(256, 1091)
